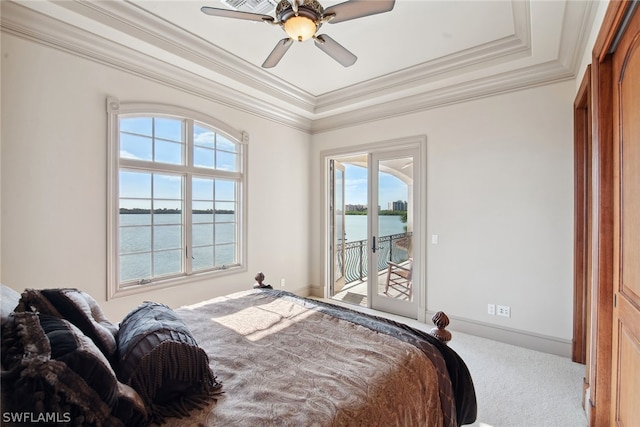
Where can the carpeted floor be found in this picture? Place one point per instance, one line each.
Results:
(517, 387)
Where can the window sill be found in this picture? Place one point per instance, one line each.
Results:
(173, 282)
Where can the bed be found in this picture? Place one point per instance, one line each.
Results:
(273, 358)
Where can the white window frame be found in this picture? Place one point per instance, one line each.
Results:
(115, 109)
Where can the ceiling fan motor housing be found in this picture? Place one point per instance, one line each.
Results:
(311, 5)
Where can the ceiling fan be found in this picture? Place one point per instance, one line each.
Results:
(301, 19)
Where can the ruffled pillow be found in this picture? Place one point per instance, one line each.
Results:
(77, 307)
(53, 369)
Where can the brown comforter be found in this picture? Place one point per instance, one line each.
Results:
(288, 361)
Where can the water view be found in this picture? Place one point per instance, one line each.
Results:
(213, 243)
(391, 243)
(356, 226)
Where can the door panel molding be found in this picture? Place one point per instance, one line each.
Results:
(604, 352)
(625, 391)
(582, 219)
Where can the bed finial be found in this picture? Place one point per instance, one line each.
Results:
(259, 282)
(441, 321)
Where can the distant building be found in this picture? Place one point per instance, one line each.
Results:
(398, 205)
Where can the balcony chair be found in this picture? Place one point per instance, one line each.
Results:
(399, 278)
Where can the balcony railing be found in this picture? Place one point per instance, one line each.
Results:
(393, 248)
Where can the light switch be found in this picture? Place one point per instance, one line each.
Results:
(434, 239)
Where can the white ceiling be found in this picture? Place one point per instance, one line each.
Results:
(414, 32)
(419, 55)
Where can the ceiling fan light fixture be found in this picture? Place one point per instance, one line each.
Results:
(301, 20)
(300, 28)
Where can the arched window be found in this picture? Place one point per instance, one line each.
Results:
(176, 196)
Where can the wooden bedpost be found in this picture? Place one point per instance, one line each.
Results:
(441, 321)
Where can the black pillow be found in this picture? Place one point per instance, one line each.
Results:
(54, 369)
(77, 307)
(160, 359)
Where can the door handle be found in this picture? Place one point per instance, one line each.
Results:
(373, 248)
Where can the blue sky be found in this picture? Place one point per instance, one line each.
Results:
(391, 188)
(162, 140)
(137, 142)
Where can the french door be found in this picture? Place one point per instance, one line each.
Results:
(394, 286)
(375, 254)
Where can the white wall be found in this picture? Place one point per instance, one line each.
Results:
(500, 197)
(54, 172)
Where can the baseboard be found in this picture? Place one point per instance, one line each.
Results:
(315, 291)
(530, 340)
(586, 402)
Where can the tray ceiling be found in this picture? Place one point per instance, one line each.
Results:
(419, 55)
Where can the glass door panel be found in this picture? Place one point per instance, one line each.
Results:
(392, 208)
(338, 226)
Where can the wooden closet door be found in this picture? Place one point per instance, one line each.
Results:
(625, 410)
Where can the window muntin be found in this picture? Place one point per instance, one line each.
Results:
(151, 226)
(214, 151)
(156, 139)
(179, 184)
(214, 220)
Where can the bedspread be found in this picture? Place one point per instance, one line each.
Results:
(289, 361)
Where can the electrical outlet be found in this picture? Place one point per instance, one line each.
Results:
(282, 282)
(504, 310)
(491, 309)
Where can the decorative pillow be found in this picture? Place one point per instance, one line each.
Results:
(160, 359)
(79, 308)
(54, 369)
(9, 299)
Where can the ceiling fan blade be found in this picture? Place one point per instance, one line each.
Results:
(357, 9)
(335, 50)
(226, 13)
(277, 53)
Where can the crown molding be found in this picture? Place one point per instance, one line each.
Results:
(36, 27)
(256, 92)
(131, 20)
(395, 84)
(527, 77)
(577, 23)
(516, 45)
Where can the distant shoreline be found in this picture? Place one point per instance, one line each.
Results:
(138, 211)
(384, 212)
